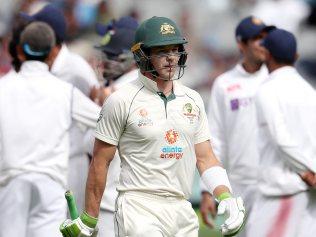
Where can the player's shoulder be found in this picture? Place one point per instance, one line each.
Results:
(227, 77)
(127, 92)
(193, 94)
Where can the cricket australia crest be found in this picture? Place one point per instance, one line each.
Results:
(166, 28)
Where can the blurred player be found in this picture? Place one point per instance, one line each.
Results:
(232, 115)
(161, 131)
(286, 113)
(119, 68)
(36, 111)
(72, 68)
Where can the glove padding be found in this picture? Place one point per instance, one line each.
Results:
(76, 228)
(234, 209)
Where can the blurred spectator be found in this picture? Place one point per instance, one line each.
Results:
(286, 14)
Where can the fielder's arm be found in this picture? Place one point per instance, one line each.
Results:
(103, 154)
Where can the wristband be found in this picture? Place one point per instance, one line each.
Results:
(88, 220)
(214, 177)
(224, 196)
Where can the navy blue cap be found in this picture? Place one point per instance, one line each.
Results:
(53, 17)
(250, 27)
(125, 22)
(119, 42)
(281, 44)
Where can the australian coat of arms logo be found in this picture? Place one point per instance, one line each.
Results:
(188, 112)
(166, 28)
(171, 136)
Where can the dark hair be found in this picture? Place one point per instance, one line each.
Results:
(18, 27)
(284, 61)
(36, 58)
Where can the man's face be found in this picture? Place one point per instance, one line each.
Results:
(165, 60)
(252, 50)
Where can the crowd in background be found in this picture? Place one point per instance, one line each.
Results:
(209, 25)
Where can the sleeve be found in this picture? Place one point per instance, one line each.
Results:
(270, 114)
(85, 76)
(84, 110)
(216, 120)
(202, 132)
(111, 121)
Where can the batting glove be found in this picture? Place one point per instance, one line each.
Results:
(234, 209)
(83, 226)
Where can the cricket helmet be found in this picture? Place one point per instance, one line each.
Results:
(155, 32)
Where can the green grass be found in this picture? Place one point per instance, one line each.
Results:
(206, 231)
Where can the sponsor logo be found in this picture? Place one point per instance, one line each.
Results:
(171, 136)
(188, 112)
(233, 87)
(171, 152)
(166, 28)
(144, 120)
(100, 117)
(238, 103)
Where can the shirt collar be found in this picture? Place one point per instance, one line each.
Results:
(152, 85)
(241, 70)
(60, 59)
(282, 71)
(32, 66)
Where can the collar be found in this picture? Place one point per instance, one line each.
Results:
(60, 59)
(151, 85)
(33, 66)
(240, 69)
(282, 71)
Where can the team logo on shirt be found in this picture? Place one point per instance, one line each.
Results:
(188, 112)
(171, 152)
(144, 120)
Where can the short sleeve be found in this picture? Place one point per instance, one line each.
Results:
(202, 132)
(112, 120)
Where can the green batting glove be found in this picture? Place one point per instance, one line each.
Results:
(83, 226)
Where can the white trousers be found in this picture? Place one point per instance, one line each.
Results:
(279, 216)
(31, 205)
(106, 224)
(140, 214)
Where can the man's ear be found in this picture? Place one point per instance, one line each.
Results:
(20, 52)
(52, 56)
(241, 46)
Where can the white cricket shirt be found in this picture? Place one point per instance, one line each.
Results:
(72, 68)
(286, 112)
(232, 122)
(155, 139)
(36, 111)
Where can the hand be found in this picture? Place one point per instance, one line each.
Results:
(83, 226)
(207, 205)
(309, 178)
(99, 94)
(235, 211)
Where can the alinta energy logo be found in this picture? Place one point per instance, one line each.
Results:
(171, 152)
